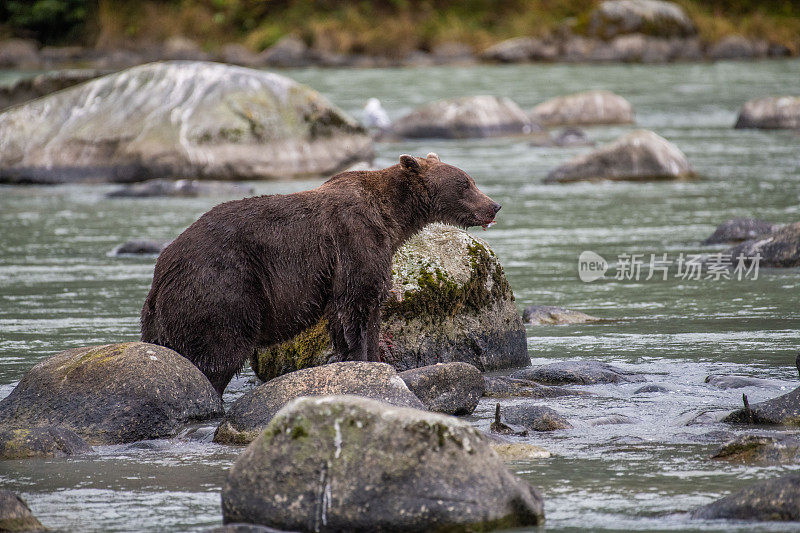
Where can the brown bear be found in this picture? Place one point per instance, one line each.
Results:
(258, 271)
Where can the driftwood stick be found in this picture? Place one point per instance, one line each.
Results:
(747, 409)
(497, 414)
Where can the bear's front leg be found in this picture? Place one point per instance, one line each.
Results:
(356, 334)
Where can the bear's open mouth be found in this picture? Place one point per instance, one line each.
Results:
(488, 224)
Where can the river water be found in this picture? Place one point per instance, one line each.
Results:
(59, 289)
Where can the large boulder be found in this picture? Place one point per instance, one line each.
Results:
(449, 388)
(520, 49)
(535, 417)
(181, 189)
(585, 108)
(450, 301)
(41, 442)
(112, 394)
(761, 450)
(769, 500)
(783, 410)
(342, 463)
(461, 118)
(43, 84)
(251, 413)
(650, 17)
(639, 156)
(576, 372)
(177, 119)
(772, 112)
(737, 47)
(741, 229)
(780, 249)
(15, 515)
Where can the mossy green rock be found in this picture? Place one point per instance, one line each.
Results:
(41, 442)
(112, 394)
(342, 463)
(450, 301)
(178, 119)
(15, 515)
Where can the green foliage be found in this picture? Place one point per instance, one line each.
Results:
(48, 21)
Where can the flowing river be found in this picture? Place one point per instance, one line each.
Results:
(60, 288)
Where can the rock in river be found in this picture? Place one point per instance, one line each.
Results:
(538, 315)
(342, 463)
(780, 249)
(741, 229)
(650, 17)
(586, 108)
(112, 394)
(42, 442)
(738, 382)
(770, 500)
(535, 417)
(576, 372)
(450, 301)
(761, 450)
(773, 112)
(181, 189)
(250, 414)
(178, 119)
(461, 118)
(783, 410)
(42, 84)
(449, 388)
(140, 247)
(639, 156)
(15, 515)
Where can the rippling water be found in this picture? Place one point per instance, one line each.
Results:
(59, 288)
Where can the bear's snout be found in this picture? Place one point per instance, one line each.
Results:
(496, 207)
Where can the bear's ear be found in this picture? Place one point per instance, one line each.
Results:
(434, 157)
(410, 163)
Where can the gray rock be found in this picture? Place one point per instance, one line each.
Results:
(782, 410)
(521, 49)
(738, 382)
(112, 394)
(461, 118)
(19, 53)
(772, 112)
(15, 515)
(450, 301)
(237, 54)
(770, 500)
(538, 315)
(251, 413)
(353, 464)
(451, 52)
(639, 156)
(181, 189)
(506, 387)
(780, 249)
(449, 388)
(760, 450)
(649, 389)
(41, 442)
(43, 84)
(535, 417)
(140, 247)
(576, 49)
(177, 119)
(519, 451)
(289, 51)
(572, 137)
(57, 56)
(585, 108)
(651, 17)
(576, 372)
(182, 48)
(737, 47)
(741, 229)
(612, 420)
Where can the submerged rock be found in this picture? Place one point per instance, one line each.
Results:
(576, 372)
(650, 17)
(112, 394)
(772, 112)
(251, 413)
(783, 410)
(15, 515)
(612, 420)
(639, 156)
(176, 119)
(535, 417)
(737, 382)
(43, 84)
(352, 464)
(449, 388)
(181, 189)
(538, 315)
(780, 249)
(506, 387)
(461, 118)
(760, 449)
(741, 229)
(651, 389)
(140, 247)
(585, 108)
(770, 500)
(41, 442)
(450, 301)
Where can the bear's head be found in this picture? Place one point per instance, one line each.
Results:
(454, 197)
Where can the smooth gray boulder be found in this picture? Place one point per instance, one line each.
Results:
(507, 387)
(576, 373)
(340, 463)
(179, 119)
(651, 389)
(539, 315)
(251, 413)
(584, 108)
(450, 388)
(535, 417)
(638, 156)
(521, 49)
(760, 450)
(741, 229)
(181, 189)
(651, 17)
(769, 500)
(737, 47)
(780, 249)
(771, 112)
(19, 53)
(450, 301)
(43, 84)
(783, 410)
(40, 442)
(112, 394)
(462, 118)
(15, 515)
(140, 247)
(738, 382)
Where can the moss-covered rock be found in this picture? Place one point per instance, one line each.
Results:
(179, 119)
(783, 410)
(760, 450)
(341, 463)
(41, 442)
(768, 500)
(112, 394)
(450, 301)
